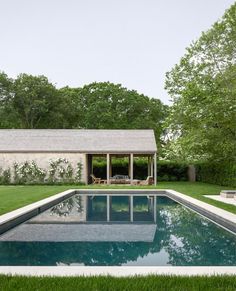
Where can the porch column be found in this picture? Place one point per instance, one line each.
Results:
(155, 169)
(108, 168)
(131, 167)
(131, 207)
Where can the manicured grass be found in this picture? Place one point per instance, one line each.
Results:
(198, 190)
(13, 197)
(148, 283)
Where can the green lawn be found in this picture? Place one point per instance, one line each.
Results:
(148, 283)
(13, 197)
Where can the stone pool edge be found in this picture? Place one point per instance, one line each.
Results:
(20, 215)
(124, 271)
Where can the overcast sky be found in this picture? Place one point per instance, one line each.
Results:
(76, 42)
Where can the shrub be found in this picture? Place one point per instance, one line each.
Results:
(28, 173)
(5, 176)
(223, 173)
(60, 172)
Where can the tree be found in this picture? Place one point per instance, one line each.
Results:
(8, 119)
(108, 105)
(203, 91)
(35, 102)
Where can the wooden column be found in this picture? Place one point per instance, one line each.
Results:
(108, 168)
(131, 167)
(155, 169)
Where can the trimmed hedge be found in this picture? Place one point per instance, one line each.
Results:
(223, 173)
(166, 171)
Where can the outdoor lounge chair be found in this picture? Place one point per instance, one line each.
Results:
(98, 180)
(148, 181)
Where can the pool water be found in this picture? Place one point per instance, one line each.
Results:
(153, 231)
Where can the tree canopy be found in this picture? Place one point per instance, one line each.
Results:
(33, 102)
(108, 105)
(202, 86)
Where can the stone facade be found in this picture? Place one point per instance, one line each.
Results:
(43, 159)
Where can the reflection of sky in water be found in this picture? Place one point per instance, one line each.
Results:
(182, 238)
(151, 259)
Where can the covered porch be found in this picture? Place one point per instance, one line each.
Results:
(116, 178)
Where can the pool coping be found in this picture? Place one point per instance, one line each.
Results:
(220, 216)
(15, 217)
(120, 271)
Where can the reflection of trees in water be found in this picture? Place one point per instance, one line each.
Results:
(194, 240)
(65, 207)
(89, 253)
(188, 239)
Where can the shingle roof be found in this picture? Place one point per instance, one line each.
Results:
(75, 140)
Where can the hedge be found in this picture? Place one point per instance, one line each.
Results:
(166, 170)
(223, 173)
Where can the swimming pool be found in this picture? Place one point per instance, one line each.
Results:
(142, 229)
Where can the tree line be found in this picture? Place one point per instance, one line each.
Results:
(199, 126)
(33, 102)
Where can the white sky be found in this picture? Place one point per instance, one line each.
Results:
(76, 42)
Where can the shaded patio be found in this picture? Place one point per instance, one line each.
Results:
(114, 177)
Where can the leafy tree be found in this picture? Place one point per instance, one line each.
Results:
(8, 119)
(108, 105)
(202, 121)
(35, 101)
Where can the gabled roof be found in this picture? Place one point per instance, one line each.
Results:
(76, 140)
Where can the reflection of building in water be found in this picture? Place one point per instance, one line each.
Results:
(101, 208)
(127, 208)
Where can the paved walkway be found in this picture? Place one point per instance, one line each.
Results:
(231, 201)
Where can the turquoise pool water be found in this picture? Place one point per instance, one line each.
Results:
(159, 232)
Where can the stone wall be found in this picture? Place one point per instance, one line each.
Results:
(43, 159)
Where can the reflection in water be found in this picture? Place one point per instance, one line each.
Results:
(65, 207)
(183, 238)
(93, 208)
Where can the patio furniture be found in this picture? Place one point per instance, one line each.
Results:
(147, 182)
(98, 180)
(228, 193)
(120, 179)
(135, 182)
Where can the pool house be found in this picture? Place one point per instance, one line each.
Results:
(45, 145)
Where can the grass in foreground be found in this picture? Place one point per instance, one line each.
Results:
(149, 283)
(13, 197)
